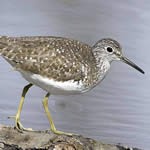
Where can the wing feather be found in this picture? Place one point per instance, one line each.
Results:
(57, 58)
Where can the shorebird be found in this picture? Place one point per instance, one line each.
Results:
(59, 65)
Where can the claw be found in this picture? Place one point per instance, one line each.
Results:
(18, 124)
(20, 127)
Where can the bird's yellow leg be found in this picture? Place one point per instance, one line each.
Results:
(52, 126)
(18, 124)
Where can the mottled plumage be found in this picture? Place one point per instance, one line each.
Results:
(57, 58)
(59, 65)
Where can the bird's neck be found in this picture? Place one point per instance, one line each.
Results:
(103, 66)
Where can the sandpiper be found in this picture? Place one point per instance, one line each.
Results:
(59, 65)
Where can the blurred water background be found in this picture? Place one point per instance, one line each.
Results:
(118, 109)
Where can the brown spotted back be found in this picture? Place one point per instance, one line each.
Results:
(57, 58)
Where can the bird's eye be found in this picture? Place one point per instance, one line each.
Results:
(109, 49)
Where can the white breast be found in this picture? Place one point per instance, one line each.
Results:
(55, 87)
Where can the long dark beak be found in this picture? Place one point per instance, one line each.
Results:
(127, 61)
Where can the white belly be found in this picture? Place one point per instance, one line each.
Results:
(55, 87)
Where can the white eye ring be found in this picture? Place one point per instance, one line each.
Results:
(109, 49)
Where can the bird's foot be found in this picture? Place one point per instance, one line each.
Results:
(20, 127)
(18, 124)
(55, 131)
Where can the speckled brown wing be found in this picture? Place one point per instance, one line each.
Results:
(53, 57)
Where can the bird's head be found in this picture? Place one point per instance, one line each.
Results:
(111, 50)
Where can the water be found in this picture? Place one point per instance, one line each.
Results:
(117, 110)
